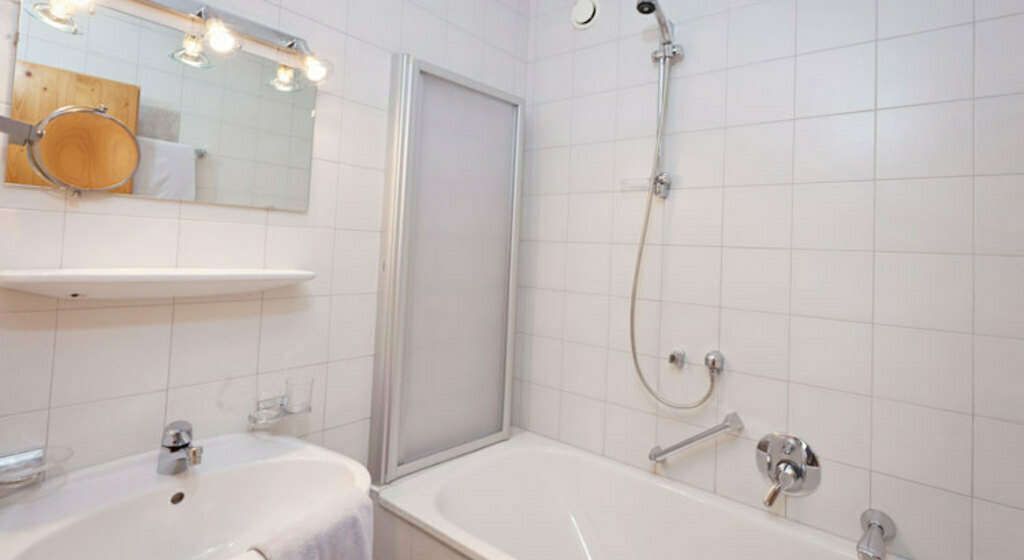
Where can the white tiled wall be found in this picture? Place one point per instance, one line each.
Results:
(103, 377)
(845, 226)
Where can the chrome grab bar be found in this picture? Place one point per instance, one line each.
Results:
(731, 424)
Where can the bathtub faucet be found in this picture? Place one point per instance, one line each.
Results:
(878, 528)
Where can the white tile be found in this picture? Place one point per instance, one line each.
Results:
(352, 331)
(831, 354)
(591, 120)
(356, 262)
(925, 141)
(542, 312)
(694, 466)
(367, 73)
(837, 423)
(691, 274)
(756, 279)
(898, 17)
(838, 148)
(584, 369)
(629, 435)
(551, 78)
(999, 146)
(103, 203)
(834, 216)
(305, 249)
(112, 429)
(630, 71)
(363, 136)
(823, 24)
(352, 440)
(586, 318)
(762, 31)
(322, 198)
(694, 217)
(759, 154)
(594, 69)
(582, 423)
(542, 264)
(705, 42)
(541, 407)
(135, 343)
(216, 408)
(26, 343)
(695, 159)
(32, 239)
(633, 166)
(837, 503)
(214, 341)
(327, 127)
(999, 71)
(623, 387)
(760, 92)
(998, 300)
(993, 8)
(697, 102)
(348, 393)
(592, 169)
(835, 81)
(141, 241)
(19, 432)
(755, 343)
(929, 368)
(549, 124)
(694, 328)
(636, 115)
(539, 360)
(294, 332)
(998, 460)
(834, 285)
(926, 68)
(757, 216)
(933, 524)
(996, 530)
(548, 171)
(360, 197)
(925, 291)
(997, 392)
(423, 34)
(623, 266)
(648, 318)
(922, 444)
(998, 204)
(925, 215)
(586, 268)
(220, 245)
(544, 217)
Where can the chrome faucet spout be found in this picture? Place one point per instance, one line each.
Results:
(878, 528)
(177, 453)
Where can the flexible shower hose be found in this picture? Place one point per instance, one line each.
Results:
(663, 76)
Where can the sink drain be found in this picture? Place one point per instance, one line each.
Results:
(177, 498)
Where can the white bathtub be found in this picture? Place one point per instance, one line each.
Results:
(534, 499)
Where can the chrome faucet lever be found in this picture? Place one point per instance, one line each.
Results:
(177, 453)
(878, 528)
(789, 464)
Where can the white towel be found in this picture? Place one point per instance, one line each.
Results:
(342, 531)
(166, 170)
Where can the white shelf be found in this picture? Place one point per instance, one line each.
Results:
(145, 283)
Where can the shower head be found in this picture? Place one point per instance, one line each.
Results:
(652, 7)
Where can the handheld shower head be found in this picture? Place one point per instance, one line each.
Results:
(652, 7)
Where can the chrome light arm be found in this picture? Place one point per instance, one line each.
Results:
(731, 424)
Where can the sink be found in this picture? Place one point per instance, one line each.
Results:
(249, 487)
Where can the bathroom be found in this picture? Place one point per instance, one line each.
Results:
(718, 279)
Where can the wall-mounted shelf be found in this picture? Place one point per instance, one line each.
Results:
(144, 283)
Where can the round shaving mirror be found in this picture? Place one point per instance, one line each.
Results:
(79, 148)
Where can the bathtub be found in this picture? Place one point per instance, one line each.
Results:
(531, 498)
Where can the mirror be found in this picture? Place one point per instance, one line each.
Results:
(77, 148)
(236, 129)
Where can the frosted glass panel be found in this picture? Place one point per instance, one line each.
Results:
(458, 233)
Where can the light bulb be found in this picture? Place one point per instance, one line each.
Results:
(191, 53)
(221, 38)
(316, 69)
(58, 14)
(285, 74)
(81, 5)
(284, 79)
(61, 9)
(192, 45)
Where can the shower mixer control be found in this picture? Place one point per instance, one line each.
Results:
(789, 464)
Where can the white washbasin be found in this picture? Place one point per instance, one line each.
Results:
(248, 488)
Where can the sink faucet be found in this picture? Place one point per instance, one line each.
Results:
(878, 528)
(177, 453)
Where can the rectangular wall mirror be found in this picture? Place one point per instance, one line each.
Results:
(219, 134)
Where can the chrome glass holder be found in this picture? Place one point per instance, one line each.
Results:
(272, 410)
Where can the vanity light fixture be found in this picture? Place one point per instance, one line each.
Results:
(220, 38)
(316, 70)
(60, 14)
(191, 52)
(285, 80)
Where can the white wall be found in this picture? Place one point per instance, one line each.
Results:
(104, 377)
(845, 226)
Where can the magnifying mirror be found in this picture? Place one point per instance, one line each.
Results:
(78, 148)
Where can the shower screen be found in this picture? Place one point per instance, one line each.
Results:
(445, 326)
